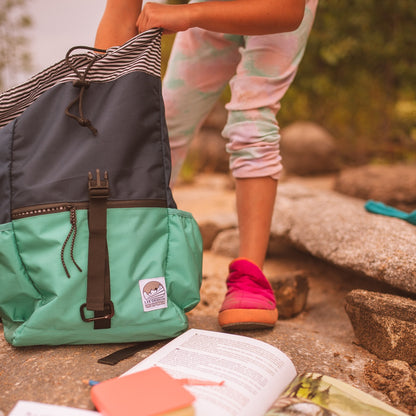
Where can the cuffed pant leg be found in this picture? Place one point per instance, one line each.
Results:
(267, 68)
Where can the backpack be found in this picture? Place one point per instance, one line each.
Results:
(93, 248)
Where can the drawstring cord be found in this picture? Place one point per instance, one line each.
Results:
(73, 231)
(82, 84)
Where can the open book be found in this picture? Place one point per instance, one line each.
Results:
(248, 377)
(234, 375)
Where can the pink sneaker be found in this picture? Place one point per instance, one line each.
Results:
(249, 302)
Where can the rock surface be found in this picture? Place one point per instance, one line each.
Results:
(396, 379)
(211, 227)
(337, 228)
(291, 294)
(394, 185)
(384, 324)
(308, 149)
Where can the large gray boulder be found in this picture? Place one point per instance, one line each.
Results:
(308, 149)
(338, 229)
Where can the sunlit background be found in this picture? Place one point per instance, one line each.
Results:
(56, 25)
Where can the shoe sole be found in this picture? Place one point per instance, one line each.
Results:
(246, 319)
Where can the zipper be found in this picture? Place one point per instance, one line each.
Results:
(43, 209)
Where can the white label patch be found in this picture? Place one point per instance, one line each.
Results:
(154, 294)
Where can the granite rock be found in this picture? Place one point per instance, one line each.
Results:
(227, 243)
(215, 224)
(308, 149)
(384, 324)
(396, 379)
(338, 229)
(394, 185)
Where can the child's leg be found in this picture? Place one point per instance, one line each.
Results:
(255, 204)
(200, 66)
(268, 66)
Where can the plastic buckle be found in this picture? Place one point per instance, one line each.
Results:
(98, 188)
(108, 305)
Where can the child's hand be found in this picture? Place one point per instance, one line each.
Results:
(171, 18)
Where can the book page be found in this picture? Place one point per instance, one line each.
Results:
(26, 408)
(318, 394)
(248, 374)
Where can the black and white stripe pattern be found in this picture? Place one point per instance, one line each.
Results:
(141, 53)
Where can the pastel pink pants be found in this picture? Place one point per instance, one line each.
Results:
(259, 70)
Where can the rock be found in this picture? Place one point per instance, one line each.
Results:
(393, 185)
(227, 243)
(291, 294)
(337, 228)
(207, 152)
(384, 324)
(278, 246)
(308, 149)
(215, 224)
(209, 231)
(397, 380)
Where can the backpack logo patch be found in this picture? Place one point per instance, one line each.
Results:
(154, 294)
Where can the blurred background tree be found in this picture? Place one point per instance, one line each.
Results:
(358, 79)
(14, 55)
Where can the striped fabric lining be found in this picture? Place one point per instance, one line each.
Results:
(141, 53)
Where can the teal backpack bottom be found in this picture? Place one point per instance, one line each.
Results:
(155, 262)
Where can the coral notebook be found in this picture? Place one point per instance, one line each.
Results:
(150, 392)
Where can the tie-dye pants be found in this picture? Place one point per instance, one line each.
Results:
(259, 70)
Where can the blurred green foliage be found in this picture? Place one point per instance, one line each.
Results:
(358, 79)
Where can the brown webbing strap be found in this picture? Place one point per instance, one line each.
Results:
(127, 352)
(98, 281)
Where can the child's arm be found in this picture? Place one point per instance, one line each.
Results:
(244, 17)
(118, 23)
